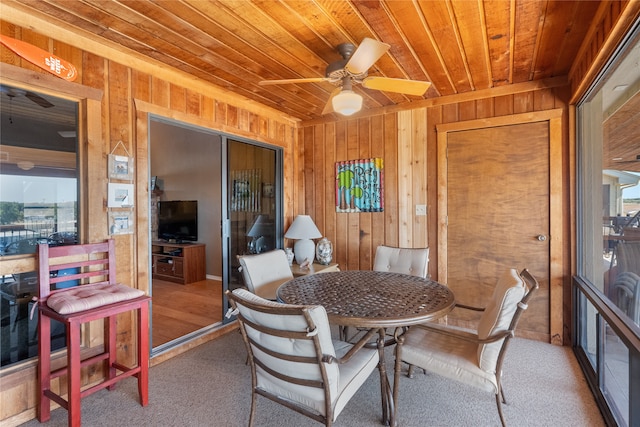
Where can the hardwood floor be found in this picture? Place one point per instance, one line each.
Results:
(180, 309)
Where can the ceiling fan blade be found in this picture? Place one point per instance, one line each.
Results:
(409, 87)
(287, 81)
(38, 100)
(328, 108)
(366, 55)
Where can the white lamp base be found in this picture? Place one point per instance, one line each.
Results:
(304, 249)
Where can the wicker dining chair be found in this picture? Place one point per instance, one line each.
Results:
(474, 358)
(293, 359)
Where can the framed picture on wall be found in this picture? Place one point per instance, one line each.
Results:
(120, 195)
(120, 167)
(120, 222)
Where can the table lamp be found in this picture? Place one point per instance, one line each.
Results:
(260, 232)
(304, 230)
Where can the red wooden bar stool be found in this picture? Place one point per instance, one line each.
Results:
(96, 296)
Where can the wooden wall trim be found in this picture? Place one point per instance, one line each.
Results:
(147, 107)
(535, 116)
(512, 89)
(46, 83)
(556, 279)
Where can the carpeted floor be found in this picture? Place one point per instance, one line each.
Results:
(210, 386)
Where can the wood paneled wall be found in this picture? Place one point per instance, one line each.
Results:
(127, 96)
(407, 142)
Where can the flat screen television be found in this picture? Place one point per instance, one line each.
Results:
(178, 220)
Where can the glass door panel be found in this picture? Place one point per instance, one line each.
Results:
(254, 213)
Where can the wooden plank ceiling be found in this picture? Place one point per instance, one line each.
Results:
(459, 46)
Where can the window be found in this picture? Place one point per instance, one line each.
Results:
(607, 291)
(38, 204)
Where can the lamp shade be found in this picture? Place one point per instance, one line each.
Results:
(261, 227)
(347, 102)
(303, 229)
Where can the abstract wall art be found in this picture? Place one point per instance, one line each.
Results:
(360, 185)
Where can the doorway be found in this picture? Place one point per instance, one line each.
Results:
(235, 188)
(479, 242)
(185, 164)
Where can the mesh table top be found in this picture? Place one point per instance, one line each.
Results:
(370, 299)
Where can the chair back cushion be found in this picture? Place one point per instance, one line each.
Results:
(293, 320)
(412, 261)
(497, 316)
(264, 273)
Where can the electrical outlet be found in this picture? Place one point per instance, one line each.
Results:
(421, 210)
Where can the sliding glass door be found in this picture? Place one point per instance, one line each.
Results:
(607, 284)
(253, 202)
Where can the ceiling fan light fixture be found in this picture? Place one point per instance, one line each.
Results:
(347, 102)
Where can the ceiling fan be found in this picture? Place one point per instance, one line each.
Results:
(353, 68)
(34, 97)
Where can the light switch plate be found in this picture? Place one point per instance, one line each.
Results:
(421, 210)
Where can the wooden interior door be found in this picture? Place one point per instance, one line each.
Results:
(498, 215)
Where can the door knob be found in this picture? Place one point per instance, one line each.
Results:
(542, 237)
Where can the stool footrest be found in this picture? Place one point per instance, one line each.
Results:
(86, 362)
(127, 372)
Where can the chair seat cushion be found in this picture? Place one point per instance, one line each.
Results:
(86, 297)
(448, 356)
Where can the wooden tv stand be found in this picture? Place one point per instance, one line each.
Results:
(178, 262)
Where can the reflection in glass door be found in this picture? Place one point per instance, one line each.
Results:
(253, 196)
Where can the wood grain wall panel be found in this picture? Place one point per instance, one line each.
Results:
(340, 241)
(193, 103)
(221, 112)
(353, 219)
(484, 108)
(467, 110)
(450, 113)
(140, 86)
(307, 171)
(160, 92)
(434, 115)
(232, 116)
(419, 238)
(318, 174)
(503, 105)
(207, 109)
(364, 143)
(329, 215)
(177, 100)
(522, 102)
(405, 174)
(544, 99)
(391, 214)
(378, 225)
